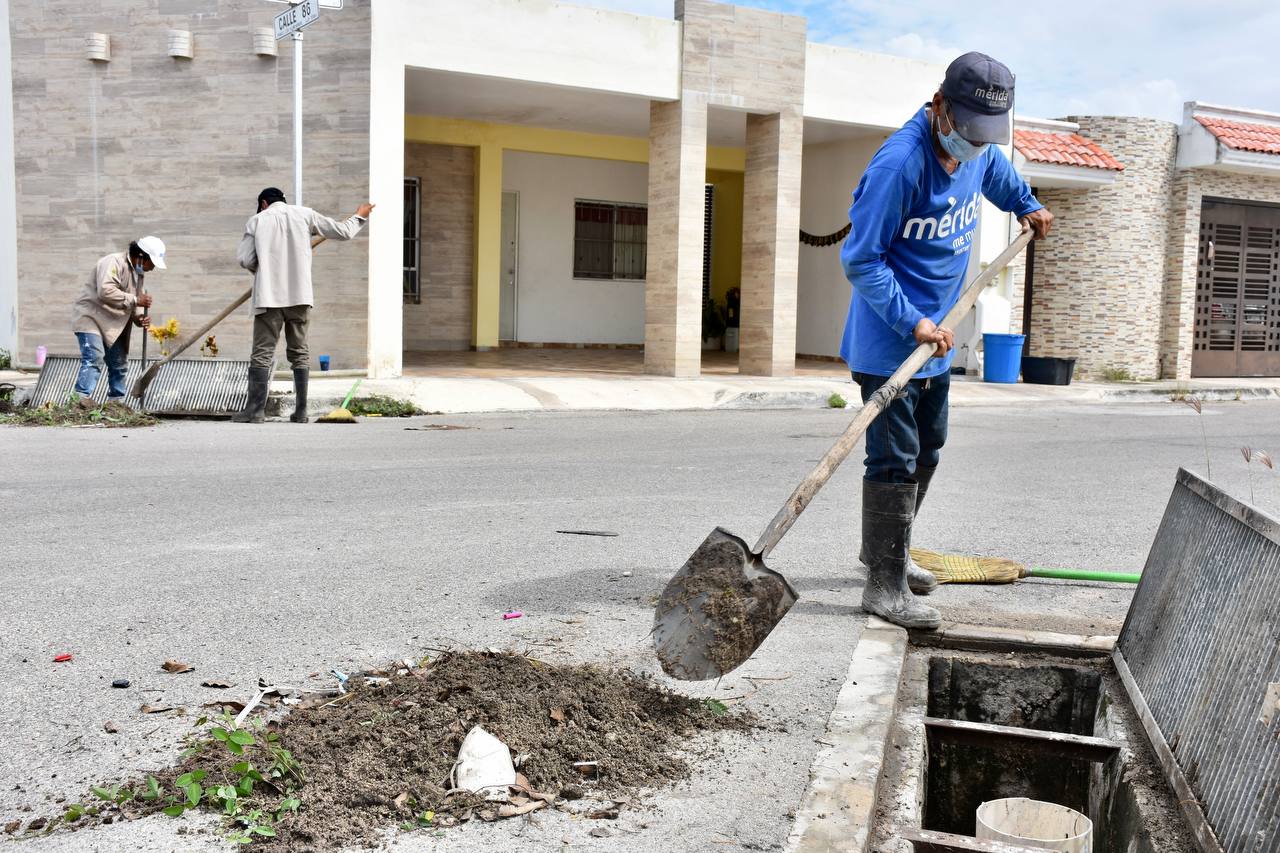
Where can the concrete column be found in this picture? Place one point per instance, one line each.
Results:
(488, 246)
(771, 243)
(673, 281)
(386, 190)
(8, 199)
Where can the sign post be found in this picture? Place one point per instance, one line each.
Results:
(291, 22)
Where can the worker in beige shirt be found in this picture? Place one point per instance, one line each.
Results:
(276, 248)
(110, 304)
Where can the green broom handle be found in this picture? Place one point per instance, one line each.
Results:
(351, 394)
(1081, 575)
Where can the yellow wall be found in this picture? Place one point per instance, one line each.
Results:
(726, 232)
(724, 168)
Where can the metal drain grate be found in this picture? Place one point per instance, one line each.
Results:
(1200, 650)
(184, 386)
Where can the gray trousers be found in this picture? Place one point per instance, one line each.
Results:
(266, 334)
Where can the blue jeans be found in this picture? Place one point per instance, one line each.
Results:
(91, 359)
(910, 432)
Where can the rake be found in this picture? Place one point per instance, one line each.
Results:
(958, 568)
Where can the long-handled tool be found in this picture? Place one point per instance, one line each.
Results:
(140, 387)
(146, 333)
(341, 415)
(724, 601)
(957, 568)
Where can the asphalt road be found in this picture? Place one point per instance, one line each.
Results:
(279, 550)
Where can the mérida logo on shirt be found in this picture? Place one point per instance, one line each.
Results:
(953, 222)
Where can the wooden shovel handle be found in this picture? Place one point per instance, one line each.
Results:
(879, 401)
(140, 387)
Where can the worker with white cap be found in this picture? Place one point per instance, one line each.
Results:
(111, 303)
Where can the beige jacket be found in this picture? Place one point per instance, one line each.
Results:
(276, 248)
(106, 303)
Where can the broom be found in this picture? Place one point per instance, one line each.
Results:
(341, 415)
(957, 568)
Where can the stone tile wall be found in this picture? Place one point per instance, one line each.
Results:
(148, 144)
(1099, 278)
(442, 321)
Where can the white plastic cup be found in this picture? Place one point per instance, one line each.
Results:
(41, 352)
(1033, 823)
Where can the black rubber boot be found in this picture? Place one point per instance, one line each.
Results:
(887, 513)
(255, 408)
(921, 581)
(300, 375)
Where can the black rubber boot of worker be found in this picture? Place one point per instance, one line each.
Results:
(300, 375)
(887, 513)
(921, 581)
(255, 408)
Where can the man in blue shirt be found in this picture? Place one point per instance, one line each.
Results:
(914, 216)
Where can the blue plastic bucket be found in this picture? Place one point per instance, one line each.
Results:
(1003, 357)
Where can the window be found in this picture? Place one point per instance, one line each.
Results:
(609, 240)
(412, 211)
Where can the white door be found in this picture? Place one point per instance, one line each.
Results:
(510, 257)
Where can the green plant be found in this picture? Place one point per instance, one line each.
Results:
(835, 401)
(234, 793)
(387, 407)
(716, 707)
(1117, 374)
(6, 359)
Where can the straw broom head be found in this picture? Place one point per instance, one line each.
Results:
(957, 568)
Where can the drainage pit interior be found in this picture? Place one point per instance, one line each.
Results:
(978, 726)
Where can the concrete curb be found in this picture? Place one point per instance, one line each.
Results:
(839, 806)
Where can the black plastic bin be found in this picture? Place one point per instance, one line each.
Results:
(1047, 371)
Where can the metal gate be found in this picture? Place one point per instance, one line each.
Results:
(1237, 319)
(1200, 656)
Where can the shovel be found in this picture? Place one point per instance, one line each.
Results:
(140, 386)
(724, 601)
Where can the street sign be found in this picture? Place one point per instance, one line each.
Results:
(293, 19)
(324, 4)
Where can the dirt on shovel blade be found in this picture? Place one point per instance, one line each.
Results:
(380, 757)
(718, 609)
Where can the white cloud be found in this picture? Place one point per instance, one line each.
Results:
(1130, 57)
(1151, 98)
(916, 46)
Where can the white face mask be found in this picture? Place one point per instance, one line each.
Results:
(957, 146)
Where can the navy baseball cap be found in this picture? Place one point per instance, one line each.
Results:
(980, 91)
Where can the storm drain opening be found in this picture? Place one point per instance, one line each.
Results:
(995, 731)
(973, 727)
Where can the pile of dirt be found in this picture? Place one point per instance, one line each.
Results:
(381, 756)
(111, 414)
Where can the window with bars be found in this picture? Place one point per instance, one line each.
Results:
(609, 240)
(412, 240)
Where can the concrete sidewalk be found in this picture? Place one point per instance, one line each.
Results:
(635, 392)
(656, 393)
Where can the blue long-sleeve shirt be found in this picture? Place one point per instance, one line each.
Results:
(908, 249)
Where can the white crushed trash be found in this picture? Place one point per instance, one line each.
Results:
(484, 765)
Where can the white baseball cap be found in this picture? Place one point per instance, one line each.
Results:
(154, 247)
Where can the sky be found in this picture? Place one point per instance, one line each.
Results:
(1078, 57)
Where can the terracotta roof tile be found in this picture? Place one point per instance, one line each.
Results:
(1242, 136)
(1063, 149)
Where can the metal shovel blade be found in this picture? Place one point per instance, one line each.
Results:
(718, 609)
